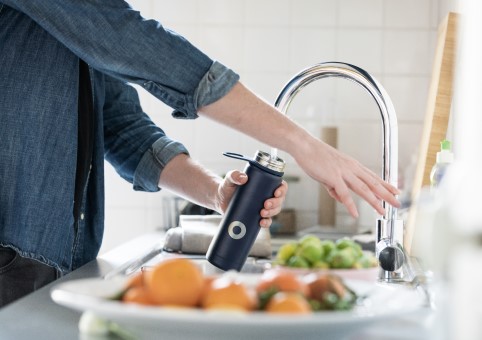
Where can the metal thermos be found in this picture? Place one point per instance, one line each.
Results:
(239, 227)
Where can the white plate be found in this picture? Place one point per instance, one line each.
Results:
(383, 302)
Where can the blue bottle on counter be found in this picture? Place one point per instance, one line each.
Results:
(239, 227)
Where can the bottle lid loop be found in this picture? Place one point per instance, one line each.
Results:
(261, 158)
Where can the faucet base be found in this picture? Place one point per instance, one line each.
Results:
(389, 250)
(390, 277)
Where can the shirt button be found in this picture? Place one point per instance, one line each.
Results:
(82, 216)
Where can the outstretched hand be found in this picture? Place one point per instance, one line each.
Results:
(340, 173)
(235, 178)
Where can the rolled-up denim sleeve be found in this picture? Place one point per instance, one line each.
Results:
(215, 84)
(148, 171)
(137, 148)
(114, 39)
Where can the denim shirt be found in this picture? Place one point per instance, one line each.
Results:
(40, 46)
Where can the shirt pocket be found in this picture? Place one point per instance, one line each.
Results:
(8, 257)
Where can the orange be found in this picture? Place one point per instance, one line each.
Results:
(138, 295)
(136, 281)
(227, 293)
(208, 280)
(320, 284)
(176, 281)
(288, 303)
(281, 280)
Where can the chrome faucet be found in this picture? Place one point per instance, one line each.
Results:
(389, 229)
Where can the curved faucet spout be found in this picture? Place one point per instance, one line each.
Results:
(365, 80)
(389, 230)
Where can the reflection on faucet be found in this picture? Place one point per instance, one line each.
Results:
(389, 229)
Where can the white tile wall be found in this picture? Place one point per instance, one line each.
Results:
(353, 40)
(311, 45)
(408, 14)
(356, 13)
(267, 42)
(222, 12)
(407, 52)
(314, 13)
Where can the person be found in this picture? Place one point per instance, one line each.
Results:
(66, 105)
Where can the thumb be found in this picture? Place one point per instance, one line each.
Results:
(235, 177)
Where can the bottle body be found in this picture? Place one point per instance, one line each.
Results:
(445, 157)
(239, 227)
(437, 174)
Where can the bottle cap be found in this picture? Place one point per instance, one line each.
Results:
(272, 163)
(445, 154)
(445, 145)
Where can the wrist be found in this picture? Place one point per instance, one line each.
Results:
(298, 143)
(190, 180)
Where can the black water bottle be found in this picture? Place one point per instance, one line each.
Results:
(239, 227)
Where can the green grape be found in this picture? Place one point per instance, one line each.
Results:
(344, 258)
(309, 239)
(298, 262)
(347, 243)
(286, 251)
(328, 246)
(320, 265)
(310, 251)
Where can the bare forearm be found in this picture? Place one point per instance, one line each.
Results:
(188, 179)
(247, 113)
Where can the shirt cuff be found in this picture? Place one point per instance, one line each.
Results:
(148, 172)
(214, 85)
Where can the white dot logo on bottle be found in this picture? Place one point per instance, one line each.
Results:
(240, 234)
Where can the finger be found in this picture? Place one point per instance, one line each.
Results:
(341, 190)
(273, 203)
(387, 185)
(270, 212)
(392, 189)
(384, 193)
(365, 192)
(265, 223)
(277, 201)
(235, 177)
(382, 190)
(281, 190)
(332, 193)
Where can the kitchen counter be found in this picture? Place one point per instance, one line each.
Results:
(36, 316)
